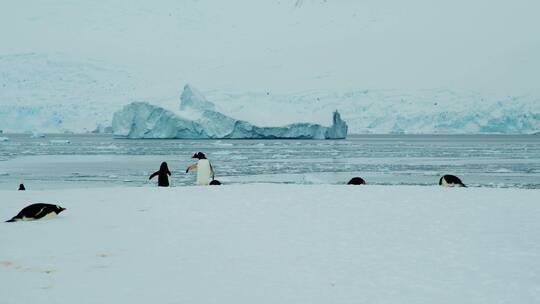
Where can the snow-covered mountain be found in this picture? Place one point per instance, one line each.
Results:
(68, 66)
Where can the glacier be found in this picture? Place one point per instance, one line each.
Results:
(144, 120)
(36, 96)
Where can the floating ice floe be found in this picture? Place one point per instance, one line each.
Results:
(37, 135)
(59, 141)
(144, 120)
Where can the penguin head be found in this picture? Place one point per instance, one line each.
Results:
(164, 167)
(199, 155)
(59, 209)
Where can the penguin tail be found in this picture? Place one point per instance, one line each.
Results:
(11, 220)
(463, 185)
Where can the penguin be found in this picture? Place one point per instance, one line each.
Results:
(450, 181)
(356, 181)
(215, 182)
(37, 212)
(163, 173)
(205, 172)
(21, 187)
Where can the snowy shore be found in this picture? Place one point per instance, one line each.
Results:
(267, 243)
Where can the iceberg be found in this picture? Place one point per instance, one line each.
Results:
(191, 98)
(144, 120)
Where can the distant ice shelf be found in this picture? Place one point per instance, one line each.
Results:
(144, 120)
(35, 97)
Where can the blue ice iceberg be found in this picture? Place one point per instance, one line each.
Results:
(143, 120)
(191, 98)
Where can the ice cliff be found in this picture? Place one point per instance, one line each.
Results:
(143, 120)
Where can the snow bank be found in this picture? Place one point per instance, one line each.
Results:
(265, 243)
(143, 120)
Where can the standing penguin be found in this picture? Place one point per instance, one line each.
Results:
(163, 175)
(450, 181)
(21, 187)
(205, 172)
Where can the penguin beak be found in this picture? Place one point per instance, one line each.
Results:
(62, 209)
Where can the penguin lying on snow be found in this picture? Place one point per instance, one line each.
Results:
(215, 182)
(37, 212)
(356, 181)
(450, 181)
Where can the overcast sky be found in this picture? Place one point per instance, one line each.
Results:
(485, 46)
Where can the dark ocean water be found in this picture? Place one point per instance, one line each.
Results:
(59, 161)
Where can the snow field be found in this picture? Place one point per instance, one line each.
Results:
(265, 243)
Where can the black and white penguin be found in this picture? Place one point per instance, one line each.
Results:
(356, 181)
(37, 212)
(205, 172)
(21, 187)
(450, 181)
(163, 175)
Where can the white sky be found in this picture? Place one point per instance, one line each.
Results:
(485, 46)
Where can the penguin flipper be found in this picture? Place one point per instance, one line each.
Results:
(40, 214)
(191, 168)
(212, 172)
